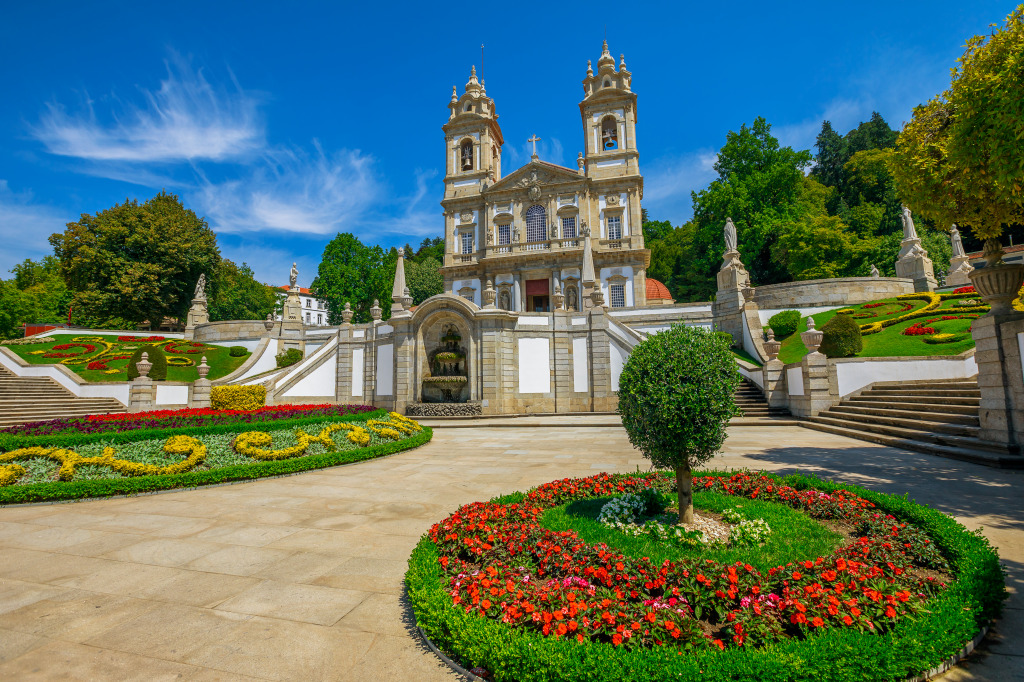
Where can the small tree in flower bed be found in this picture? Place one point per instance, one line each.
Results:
(676, 398)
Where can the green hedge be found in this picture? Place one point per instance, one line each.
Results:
(10, 442)
(784, 323)
(73, 490)
(973, 598)
(841, 337)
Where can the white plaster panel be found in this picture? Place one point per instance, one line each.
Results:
(580, 372)
(795, 380)
(385, 329)
(531, 321)
(853, 376)
(171, 395)
(661, 311)
(748, 341)
(534, 365)
(321, 382)
(618, 357)
(358, 333)
(464, 183)
(578, 320)
(266, 362)
(385, 369)
(609, 164)
(357, 372)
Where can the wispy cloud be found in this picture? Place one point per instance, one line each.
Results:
(25, 227)
(186, 119)
(519, 155)
(668, 182)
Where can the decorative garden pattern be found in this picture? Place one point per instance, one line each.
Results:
(490, 583)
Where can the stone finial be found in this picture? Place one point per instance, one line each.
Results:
(144, 365)
(489, 294)
(590, 69)
(375, 310)
(558, 299)
(347, 313)
(269, 322)
(203, 368)
(581, 163)
(455, 96)
(771, 346)
(812, 337)
(622, 62)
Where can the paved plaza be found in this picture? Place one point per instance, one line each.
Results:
(300, 578)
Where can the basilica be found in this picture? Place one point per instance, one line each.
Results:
(545, 237)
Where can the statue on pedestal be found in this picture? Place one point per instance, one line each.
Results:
(200, 294)
(959, 264)
(293, 276)
(730, 235)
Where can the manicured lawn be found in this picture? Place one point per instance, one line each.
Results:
(113, 355)
(891, 341)
(795, 536)
(744, 355)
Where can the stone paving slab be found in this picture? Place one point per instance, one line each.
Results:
(300, 578)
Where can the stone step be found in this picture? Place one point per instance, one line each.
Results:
(929, 383)
(969, 419)
(985, 457)
(930, 392)
(917, 422)
(915, 400)
(914, 434)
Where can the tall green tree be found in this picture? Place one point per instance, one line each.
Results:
(352, 272)
(424, 279)
(135, 262)
(831, 155)
(239, 296)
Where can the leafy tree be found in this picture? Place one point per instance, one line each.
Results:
(13, 305)
(676, 399)
(429, 248)
(828, 162)
(655, 230)
(874, 133)
(351, 272)
(958, 159)
(424, 279)
(135, 262)
(239, 296)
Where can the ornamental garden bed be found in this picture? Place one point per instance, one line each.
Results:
(133, 453)
(922, 324)
(845, 583)
(105, 358)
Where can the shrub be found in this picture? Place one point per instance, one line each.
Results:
(237, 397)
(237, 351)
(726, 337)
(288, 357)
(676, 398)
(785, 323)
(841, 338)
(155, 355)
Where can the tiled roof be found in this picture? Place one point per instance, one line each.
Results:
(656, 290)
(302, 290)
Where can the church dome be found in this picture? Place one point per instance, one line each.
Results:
(656, 291)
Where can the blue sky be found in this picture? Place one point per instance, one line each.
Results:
(285, 123)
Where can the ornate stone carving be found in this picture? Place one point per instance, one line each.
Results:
(200, 294)
(466, 217)
(812, 337)
(293, 276)
(612, 199)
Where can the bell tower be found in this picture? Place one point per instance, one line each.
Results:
(609, 119)
(472, 138)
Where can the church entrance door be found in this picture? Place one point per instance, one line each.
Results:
(537, 296)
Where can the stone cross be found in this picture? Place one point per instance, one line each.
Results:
(534, 140)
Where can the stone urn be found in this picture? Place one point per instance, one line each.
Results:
(771, 346)
(812, 337)
(998, 284)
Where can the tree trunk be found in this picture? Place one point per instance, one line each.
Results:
(684, 494)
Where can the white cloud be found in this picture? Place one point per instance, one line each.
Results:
(25, 227)
(186, 119)
(668, 182)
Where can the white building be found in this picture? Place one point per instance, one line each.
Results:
(314, 311)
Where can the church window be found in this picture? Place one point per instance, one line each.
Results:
(569, 227)
(466, 154)
(614, 227)
(467, 242)
(469, 106)
(607, 83)
(504, 235)
(609, 133)
(617, 293)
(536, 224)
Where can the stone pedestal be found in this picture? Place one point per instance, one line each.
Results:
(960, 269)
(774, 390)
(197, 315)
(727, 310)
(817, 397)
(999, 347)
(916, 265)
(199, 392)
(292, 328)
(141, 395)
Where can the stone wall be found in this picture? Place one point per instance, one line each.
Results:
(830, 292)
(229, 330)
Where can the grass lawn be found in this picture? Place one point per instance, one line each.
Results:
(890, 341)
(794, 537)
(113, 355)
(744, 355)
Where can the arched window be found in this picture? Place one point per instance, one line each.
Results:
(607, 83)
(469, 106)
(536, 224)
(466, 155)
(609, 133)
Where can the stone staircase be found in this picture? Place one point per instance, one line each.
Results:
(32, 399)
(939, 417)
(751, 400)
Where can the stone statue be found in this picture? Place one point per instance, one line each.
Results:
(958, 246)
(874, 271)
(730, 235)
(554, 231)
(584, 229)
(909, 232)
(293, 276)
(201, 287)
(515, 234)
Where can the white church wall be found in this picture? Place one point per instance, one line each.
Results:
(472, 283)
(534, 365)
(385, 369)
(624, 271)
(580, 369)
(358, 369)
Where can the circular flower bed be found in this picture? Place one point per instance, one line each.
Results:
(497, 590)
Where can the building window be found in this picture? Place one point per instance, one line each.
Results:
(309, 303)
(614, 227)
(618, 295)
(504, 235)
(569, 231)
(466, 154)
(309, 319)
(536, 224)
(467, 243)
(609, 133)
(319, 319)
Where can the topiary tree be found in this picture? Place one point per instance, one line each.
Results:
(155, 355)
(785, 323)
(841, 337)
(676, 398)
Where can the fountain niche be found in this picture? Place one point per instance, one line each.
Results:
(445, 389)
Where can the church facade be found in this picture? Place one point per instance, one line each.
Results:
(545, 237)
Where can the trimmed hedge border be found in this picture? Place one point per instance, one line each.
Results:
(75, 490)
(911, 648)
(66, 440)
